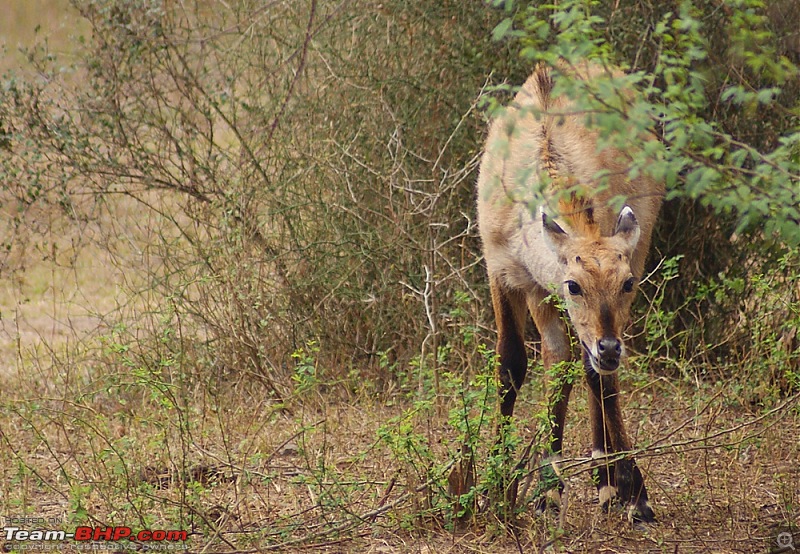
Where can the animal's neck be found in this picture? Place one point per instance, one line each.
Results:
(574, 204)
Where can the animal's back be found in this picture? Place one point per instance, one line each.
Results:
(538, 147)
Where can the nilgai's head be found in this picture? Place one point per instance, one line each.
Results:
(598, 285)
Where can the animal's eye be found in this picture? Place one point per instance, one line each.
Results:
(574, 288)
(628, 285)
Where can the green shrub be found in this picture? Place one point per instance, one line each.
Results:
(720, 86)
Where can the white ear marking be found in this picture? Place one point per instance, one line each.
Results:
(626, 220)
(627, 224)
(627, 227)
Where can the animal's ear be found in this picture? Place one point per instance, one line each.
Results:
(627, 228)
(554, 236)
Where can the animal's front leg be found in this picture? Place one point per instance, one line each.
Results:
(621, 480)
(603, 470)
(556, 348)
(631, 490)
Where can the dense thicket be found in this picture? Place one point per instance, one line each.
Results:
(312, 164)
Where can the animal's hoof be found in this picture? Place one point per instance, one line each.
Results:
(641, 513)
(550, 486)
(551, 501)
(607, 498)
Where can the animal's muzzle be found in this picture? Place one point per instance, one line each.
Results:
(609, 349)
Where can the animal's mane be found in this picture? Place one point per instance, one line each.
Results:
(578, 213)
(574, 208)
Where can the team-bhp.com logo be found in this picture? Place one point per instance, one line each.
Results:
(85, 533)
(119, 533)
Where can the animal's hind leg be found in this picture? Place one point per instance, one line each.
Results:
(511, 316)
(621, 479)
(556, 348)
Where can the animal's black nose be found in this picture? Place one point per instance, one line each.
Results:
(609, 346)
(609, 350)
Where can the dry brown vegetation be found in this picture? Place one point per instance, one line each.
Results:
(241, 294)
(245, 476)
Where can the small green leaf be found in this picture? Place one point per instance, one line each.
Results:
(502, 29)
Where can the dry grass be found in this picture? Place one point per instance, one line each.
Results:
(243, 474)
